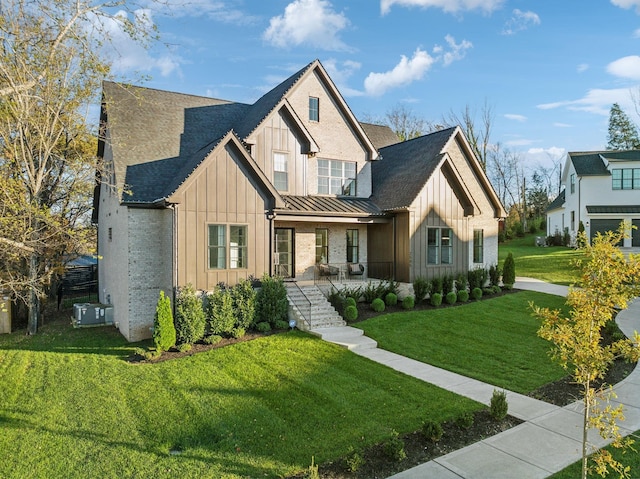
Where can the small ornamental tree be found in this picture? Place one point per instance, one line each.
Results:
(608, 281)
(509, 272)
(164, 332)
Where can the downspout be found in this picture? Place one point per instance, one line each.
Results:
(271, 216)
(395, 249)
(174, 260)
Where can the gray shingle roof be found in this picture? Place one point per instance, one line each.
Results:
(590, 163)
(380, 135)
(405, 168)
(557, 202)
(329, 206)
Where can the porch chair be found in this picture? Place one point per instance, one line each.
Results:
(356, 269)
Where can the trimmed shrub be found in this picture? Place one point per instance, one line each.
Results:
(408, 302)
(497, 289)
(436, 285)
(280, 324)
(190, 319)
(164, 332)
(465, 420)
(220, 314)
(461, 282)
(238, 332)
(509, 271)
(494, 275)
(432, 430)
(272, 303)
(477, 278)
(355, 293)
(350, 302)
(337, 299)
(391, 299)
(213, 339)
(420, 289)
(451, 297)
(377, 305)
(394, 447)
(244, 303)
(488, 291)
(476, 293)
(350, 313)
(499, 406)
(436, 299)
(183, 347)
(380, 290)
(263, 327)
(447, 284)
(463, 296)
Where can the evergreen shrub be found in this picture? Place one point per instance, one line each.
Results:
(377, 305)
(164, 332)
(408, 302)
(463, 296)
(436, 299)
(391, 299)
(420, 289)
(350, 313)
(190, 318)
(476, 293)
(451, 297)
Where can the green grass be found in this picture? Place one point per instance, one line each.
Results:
(494, 340)
(553, 264)
(71, 406)
(627, 457)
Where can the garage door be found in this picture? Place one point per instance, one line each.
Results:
(603, 226)
(635, 234)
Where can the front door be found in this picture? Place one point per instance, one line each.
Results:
(284, 252)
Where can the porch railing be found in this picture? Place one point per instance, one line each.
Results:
(344, 272)
(303, 303)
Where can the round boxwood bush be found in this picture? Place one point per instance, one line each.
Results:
(391, 299)
(451, 297)
(350, 313)
(436, 299)
(463, 296)
(349, 302)
(377, 305)
(409, 302)
(476, 293)
(263, 327)
(281, 324)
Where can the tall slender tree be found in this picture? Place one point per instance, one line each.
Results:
(623, 133)
(51, 70)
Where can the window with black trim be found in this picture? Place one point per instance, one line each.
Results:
(625, 178)
(478, 246)
(322, 245)
(353, 246)
(314, 108)
(337, 177)
(572, 180)
(439, 246)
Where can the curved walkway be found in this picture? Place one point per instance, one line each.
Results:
(547, 441)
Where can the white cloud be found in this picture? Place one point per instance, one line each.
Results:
(511, 116)
(405, 72)
(546, 157)
(626, 67)
(449, 6)
(597, 101)
(340, 74)
(311, 22)
(627, 4)
(126, 55)
(562, 125)
(583, 67)
(520, 21)
(457, 51)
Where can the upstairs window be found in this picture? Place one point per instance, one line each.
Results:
(572, 179)
(280, 172)
(314, 108)
(625, 178)
(336, 177)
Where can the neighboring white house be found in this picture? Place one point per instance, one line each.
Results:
(600, 189)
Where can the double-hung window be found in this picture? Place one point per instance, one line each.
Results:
(353, 248)
(280, 172)
(478, 246)
(439, 246)
(336, 177)
(236, 247)
(322, 245)
(572, 183)
(625, 178)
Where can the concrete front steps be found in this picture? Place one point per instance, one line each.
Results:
(346, 336)
(323, 314)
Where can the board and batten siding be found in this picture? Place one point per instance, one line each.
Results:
(220, 192)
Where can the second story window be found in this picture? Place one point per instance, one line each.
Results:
(572, 179)
(336, 177)
(280, 172)
(625, 178)
(314, 108)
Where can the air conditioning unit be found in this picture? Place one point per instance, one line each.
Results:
(92, 314)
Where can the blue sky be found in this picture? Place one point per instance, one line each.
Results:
(550, 70)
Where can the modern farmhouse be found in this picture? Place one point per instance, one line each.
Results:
(198, 191)
(601, 189)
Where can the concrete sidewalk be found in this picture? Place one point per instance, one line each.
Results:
(548, 440)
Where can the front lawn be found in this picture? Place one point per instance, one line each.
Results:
(553, 264)
(493, 340)
(72, 406)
